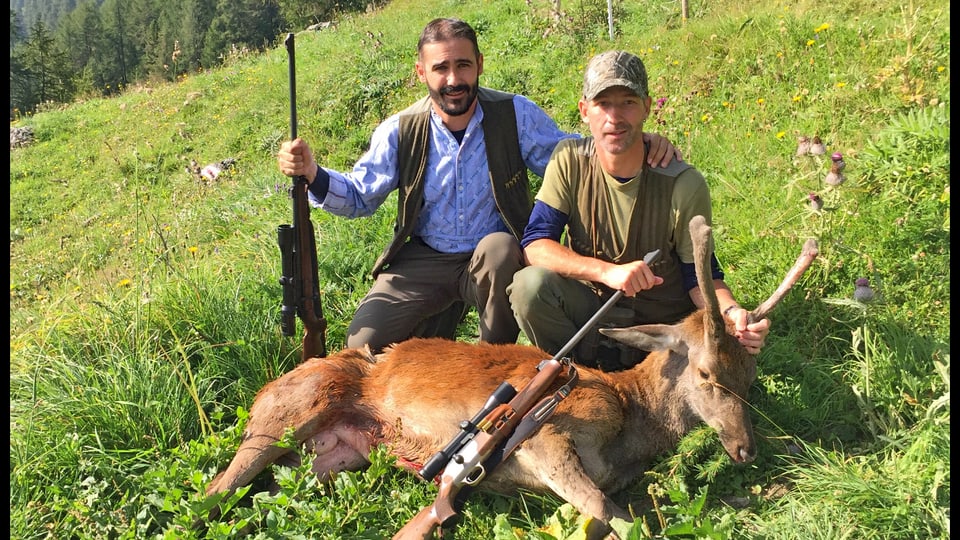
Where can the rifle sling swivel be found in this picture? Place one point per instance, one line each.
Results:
(534, 418)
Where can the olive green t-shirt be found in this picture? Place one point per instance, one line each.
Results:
(566, 177)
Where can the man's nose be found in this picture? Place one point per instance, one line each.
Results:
(614, 113)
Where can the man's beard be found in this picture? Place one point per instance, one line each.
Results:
(461, 105)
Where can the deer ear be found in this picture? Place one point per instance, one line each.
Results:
(649, 337)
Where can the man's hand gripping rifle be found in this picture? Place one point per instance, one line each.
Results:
(494, 432)
(298, 251)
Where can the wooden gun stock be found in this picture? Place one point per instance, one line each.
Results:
(425, 524)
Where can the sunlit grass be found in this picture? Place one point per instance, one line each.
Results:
(144, 300)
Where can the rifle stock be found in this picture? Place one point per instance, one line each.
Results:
(298, 249)
(425, 524)
(469, 465)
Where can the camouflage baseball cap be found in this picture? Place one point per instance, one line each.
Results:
(615, 68)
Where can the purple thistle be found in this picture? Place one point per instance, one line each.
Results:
(816, 203)
(862, 292)
(817, 148)
(837, 158)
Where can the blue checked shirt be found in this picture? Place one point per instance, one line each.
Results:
(458, 208)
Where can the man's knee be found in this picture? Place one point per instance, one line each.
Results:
(500, 249)
(528, 287)
(363, 337)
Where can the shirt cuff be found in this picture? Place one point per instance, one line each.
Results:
(320, 185)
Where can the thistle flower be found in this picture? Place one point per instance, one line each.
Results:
(803, 145)
(817, 148)
(837, 158)
(862, 291)
(816, 203)
(835, 177)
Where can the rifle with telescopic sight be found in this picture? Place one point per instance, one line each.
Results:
(507, 419)
(484, 442)
(298, 251)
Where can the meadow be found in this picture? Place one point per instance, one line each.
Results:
(144, 298)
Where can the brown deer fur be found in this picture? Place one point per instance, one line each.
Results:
(413, 396)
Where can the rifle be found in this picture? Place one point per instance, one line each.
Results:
(298, 252)
(486, 440)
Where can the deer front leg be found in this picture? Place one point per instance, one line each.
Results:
(254, 455)
(554, 457)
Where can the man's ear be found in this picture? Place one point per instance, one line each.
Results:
(582, 106)
(421, 74)
(479, 64)
(649, 103)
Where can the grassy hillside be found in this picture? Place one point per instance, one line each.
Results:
(144, 299)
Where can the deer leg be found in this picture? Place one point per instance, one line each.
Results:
(253, 456)
(554, 457)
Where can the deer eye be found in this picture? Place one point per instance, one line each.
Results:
(704, 375)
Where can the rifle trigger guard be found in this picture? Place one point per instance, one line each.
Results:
(475, 476)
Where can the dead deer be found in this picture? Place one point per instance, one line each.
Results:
(601, 439)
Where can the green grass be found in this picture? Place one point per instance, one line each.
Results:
(144, 303)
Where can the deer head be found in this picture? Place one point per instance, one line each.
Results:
(720, 368)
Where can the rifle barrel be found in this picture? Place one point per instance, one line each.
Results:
(292, 76)
(649, 258)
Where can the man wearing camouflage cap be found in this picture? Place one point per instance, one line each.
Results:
(614, 208)
(458, 160)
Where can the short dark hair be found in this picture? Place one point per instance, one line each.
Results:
(445, 29)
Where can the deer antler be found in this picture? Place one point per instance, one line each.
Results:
(810, 252)
(713, 321)
(700, 235)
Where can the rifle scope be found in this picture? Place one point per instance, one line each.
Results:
(286, 239)
(503, 394)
